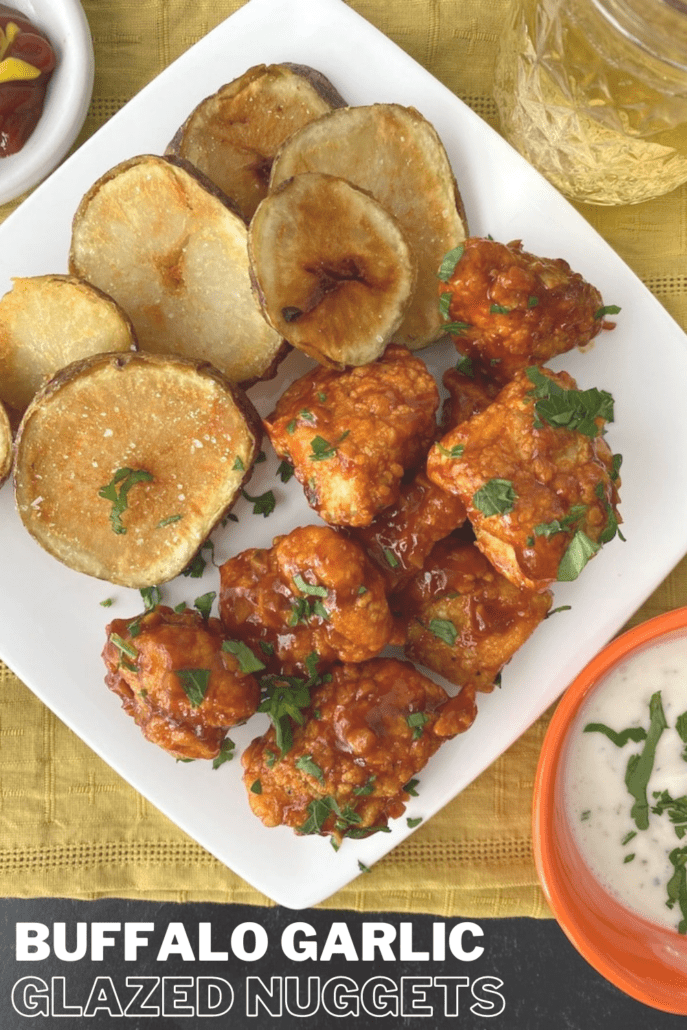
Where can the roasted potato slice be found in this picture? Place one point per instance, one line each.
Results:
(233, 135)
(48, 321)
(394, 154)
(5, 445)
(168, 247)
(333, 271)
(125, 463)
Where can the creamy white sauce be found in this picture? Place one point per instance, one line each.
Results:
(597, 800)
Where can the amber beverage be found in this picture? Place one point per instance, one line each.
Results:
(594, 94)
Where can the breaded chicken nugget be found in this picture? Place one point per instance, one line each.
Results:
(511, 309)
(537, 478)
(367, 733)
(352, 435)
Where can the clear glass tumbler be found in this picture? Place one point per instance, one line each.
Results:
(594, 94)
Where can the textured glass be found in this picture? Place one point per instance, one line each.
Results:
(595, 110)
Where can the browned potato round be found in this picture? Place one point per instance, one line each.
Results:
(5, 445)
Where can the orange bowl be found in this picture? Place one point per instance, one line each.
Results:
(643, 959)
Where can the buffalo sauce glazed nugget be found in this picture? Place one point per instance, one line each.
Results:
(368, 731)
(312, 592)
(351, 435)
(183, 689)
(537, 478)
(402, 536)
(464, 620)
(509, 309)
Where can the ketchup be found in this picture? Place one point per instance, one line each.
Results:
(27, 61)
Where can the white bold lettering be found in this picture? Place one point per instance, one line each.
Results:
(439, 942)
(378, 937)
(142, 1008)
(205, 952)
(455, 941)
(414, 996)
(103, 998)
(258, 993)
(59, 942)
(132, 940)
(29, 942)
(301, 950)
(292, 996)
(339, 942)
(100, 939)
(486, 1006)
(59, 999)
(238, 941)
(176, 942)
(379, 996)
(406, 941)
(451, 986)
(176, 995)
(214, 996)
(339, 996)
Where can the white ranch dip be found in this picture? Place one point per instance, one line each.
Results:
(599, 803)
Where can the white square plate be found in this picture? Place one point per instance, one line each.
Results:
(52, 626)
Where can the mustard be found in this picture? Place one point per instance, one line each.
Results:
(13, 69)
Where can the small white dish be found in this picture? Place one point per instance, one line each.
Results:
(67, 99)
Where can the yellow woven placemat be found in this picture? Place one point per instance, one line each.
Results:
(70, 827)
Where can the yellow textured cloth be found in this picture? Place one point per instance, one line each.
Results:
(69, 826)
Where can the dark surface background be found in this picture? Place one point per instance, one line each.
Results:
(546, 984)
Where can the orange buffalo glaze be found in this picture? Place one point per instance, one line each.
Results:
(27, 61)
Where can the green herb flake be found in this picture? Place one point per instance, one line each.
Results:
(456, 329)
(464, 366)
(629, 858)
(151, 597)
(578, 552)
(311, 589)
(585, 815)
(170, 520)
(677, 885)
(561, 608)
(634, 733)
(204, 603)
(390, 558)
(628, 837)
(322, 450)
(499, 309)
(548, 529)
(532, 302)
(267, 648)
(196, 567)
(448, 265)
(410, 788)
(238, 465)
(195, 683)
(226, 753)
(319, 811)
(107, 603)
(444, 629)
(284, 699)
(264, 504)
(291, 426)
(444, 305)
(639, 766)
(362, 867)
(124, 647)
(306, 764)
(676, 809)
(574, 410)
(451, 452)
(367, 788)
(256, 787)
(248, 662)
(412, 823)
(285, 471)
(496, 497)
(124, 478)
(609, 309)
(260, 458)
(416, 721)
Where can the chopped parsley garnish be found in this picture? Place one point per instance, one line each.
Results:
(318, 811)
(285, 471)
(681, 727)
(416, 721)
(238, 465)
(322, 449)
(561, 608)
(367, 787)
(444, 629)
(676, 809)
(532, 302)
(260, 458)
(574, 410)
(410, 786)
(451, 452)
(107, 603)
(195, 683)
(124, 647)
(204, 603)
(616, 462)
(284, 699)
(585, 815)
(256, 787)
(628, 837)
(499, 309)
(412, 823)
(448, 265)
(635, 733)
(497, 497)
(363, 868)
(264, 504)
(390, 558)
(124, 478)
(226, 753)
(266, 647)
(151, 597)
(609, 309)
(306, 764)
(677, 885)
(464, 366)
(248, 662)
(639, 766)
(196, 567)
(313, 589)
(168, 521)
(456, 328)
(444, 305)
(304, 608)
(629, 858)
(578, 552)
(291, 426)
(548, 529)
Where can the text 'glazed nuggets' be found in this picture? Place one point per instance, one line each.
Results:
(537, 478)
(368, 731)
(352, 435)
